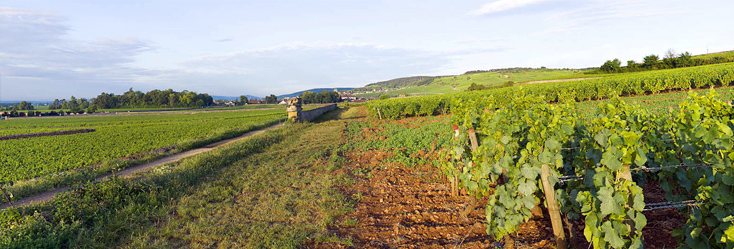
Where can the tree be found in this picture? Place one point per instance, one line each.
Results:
(613, 66)
(670, 54)
(475, 87)
(309, 97)
(243, 100)
(684, 60)
(384, 96)
(55, 105)
(25, 106)
(650, 61)
(92, 109)
(172, 99)
(631, 65)
(668, 59)
(272, 99)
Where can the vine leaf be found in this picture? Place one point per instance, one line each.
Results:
(611, 235)
(640, 158)
(609, 158)
(608, 204)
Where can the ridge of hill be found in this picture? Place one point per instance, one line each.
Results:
(428, 85)
(315, 90)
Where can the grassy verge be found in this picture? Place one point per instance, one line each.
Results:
(280, 198)
(278, 189)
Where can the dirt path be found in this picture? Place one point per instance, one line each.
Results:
(48, 195)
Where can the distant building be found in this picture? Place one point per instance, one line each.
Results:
(347, 97)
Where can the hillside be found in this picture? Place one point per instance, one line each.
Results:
(398, 83)
(425, 85)
(315, 90)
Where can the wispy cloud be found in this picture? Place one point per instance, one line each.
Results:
(298, 66)
(504, 5)
(34, 47)
(595, 13)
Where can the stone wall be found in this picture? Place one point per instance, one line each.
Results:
(314, 113)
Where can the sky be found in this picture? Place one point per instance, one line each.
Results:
(55, 49)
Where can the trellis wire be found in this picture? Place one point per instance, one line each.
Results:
(670, 204)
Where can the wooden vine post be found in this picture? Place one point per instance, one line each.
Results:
(474, 202)
(626, 174)
(454, 180)
(553, 210)
(473, 139)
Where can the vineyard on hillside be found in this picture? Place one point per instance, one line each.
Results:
(115, 137)
(631, 84)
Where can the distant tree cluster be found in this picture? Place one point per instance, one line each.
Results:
(243, 99)
(322, 97)
(272, 99)
(155, 99)
(23, 105)
(653, 62)
(477, 87)
(73, 104)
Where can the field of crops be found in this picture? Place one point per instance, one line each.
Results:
(116, 136)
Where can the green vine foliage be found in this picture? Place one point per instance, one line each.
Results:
(706, 120)
(515, 141)
(611, 202)
(611, 153)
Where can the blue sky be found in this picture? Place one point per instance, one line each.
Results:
(56, 49)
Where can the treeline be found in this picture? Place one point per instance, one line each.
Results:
(320, 98)
(670, 60)
(152, 99)
(135, 99)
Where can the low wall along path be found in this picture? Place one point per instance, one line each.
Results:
(315, 113)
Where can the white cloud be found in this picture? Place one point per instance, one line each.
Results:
(36, 52)
(299, 66)
(504, 5)
(594, 14)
